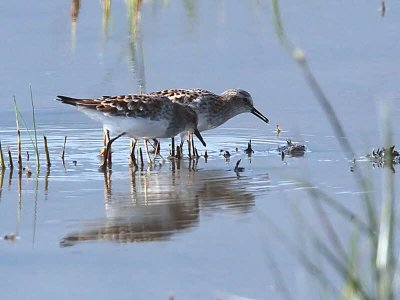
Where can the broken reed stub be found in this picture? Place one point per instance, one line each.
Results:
(46, 151)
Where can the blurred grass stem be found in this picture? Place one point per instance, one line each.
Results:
(381, 239)
(35, 132)
(10, 160)
(18, 136)
(385, 261)
(2, 163)
(63, 150)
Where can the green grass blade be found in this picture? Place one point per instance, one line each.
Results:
(21, 117)
(35, 132)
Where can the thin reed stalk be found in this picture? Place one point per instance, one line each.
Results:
(27, 129)
(10, 160)
(2, 172)
(19, 149)
(2, 163)
(63, 150)
(46, 182)
(10, 177)
(385, 261)
(19, 193)
(46, 151)
(106, 15)
(18, 137)
(380, 231)
(299, 56)
(35, 132)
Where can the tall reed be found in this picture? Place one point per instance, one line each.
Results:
(46, 151)
(33, 141)
(18, 137)
(63, 149)
(35, 132)
(2, 163)
(379, 231)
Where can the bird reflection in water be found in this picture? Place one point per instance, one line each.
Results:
(163, 203)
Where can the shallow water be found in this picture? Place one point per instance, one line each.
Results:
(191, 231)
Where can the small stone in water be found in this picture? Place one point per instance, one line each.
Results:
(10, 237)
(227, 154)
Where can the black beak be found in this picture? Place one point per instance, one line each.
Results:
(197, 133)
(259, 115)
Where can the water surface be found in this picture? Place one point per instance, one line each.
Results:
(191, 231)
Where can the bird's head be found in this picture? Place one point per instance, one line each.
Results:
(243, 102)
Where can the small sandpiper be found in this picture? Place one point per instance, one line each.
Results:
(213, 110)
(138, 116)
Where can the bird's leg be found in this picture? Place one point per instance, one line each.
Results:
(146, 143)
(158, 153)
(155, 145)
(172, 147)
(182, 135)
(141, 158)
(189, 145)
(193, 147)
(132, 154)
(178, 152)
(107, 161)
(106, 138)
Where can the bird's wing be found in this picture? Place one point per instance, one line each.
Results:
(183, 96)
(123, 105)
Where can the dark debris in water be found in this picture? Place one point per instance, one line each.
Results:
(384, 157)
(292, 149)
(249, 150)
(226, 154)
(238, 169)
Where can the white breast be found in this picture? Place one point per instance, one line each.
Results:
(134, 127)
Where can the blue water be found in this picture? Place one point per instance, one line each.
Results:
(192, 234)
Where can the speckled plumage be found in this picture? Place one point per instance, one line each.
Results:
(140, 116)
(213, 110)
(183, 96)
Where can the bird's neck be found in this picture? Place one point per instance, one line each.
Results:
(225, 112)
(229, 110)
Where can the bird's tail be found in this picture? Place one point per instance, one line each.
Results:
(68, 100)
(76, 101)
